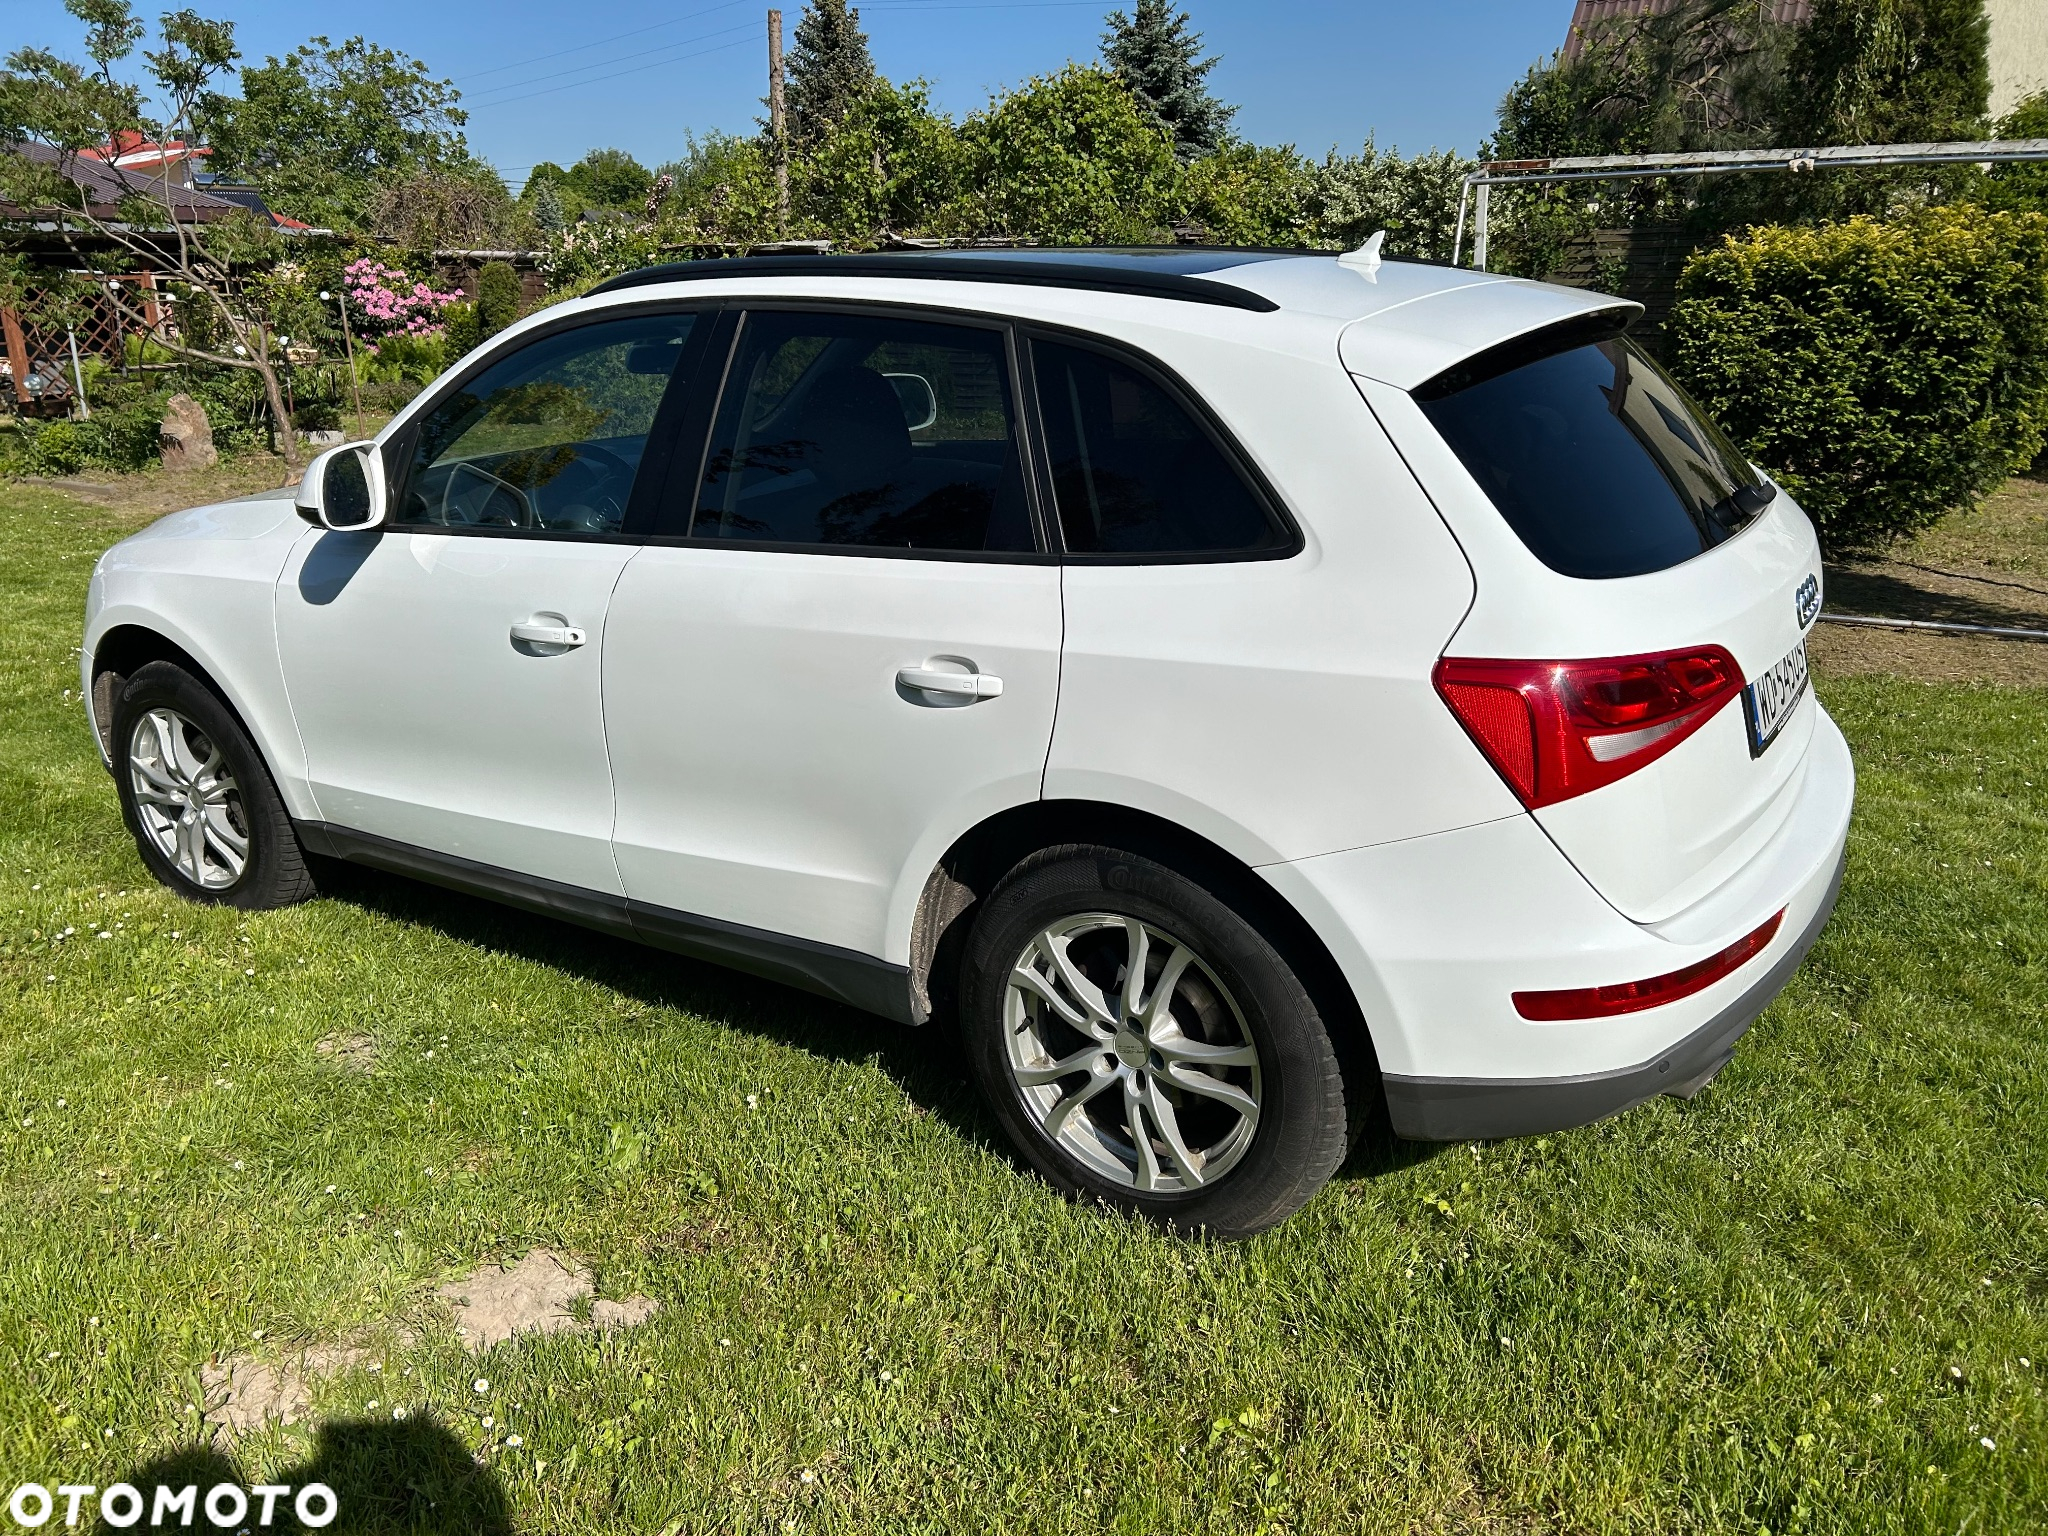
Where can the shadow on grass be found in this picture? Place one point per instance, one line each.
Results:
(928, 1064)
(1879, 594)
(411, 1476)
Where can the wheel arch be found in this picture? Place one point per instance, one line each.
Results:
(120, 653)
(123, 649)
(979, 858)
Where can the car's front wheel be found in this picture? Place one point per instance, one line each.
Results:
(195, 793)
(1146, 1045)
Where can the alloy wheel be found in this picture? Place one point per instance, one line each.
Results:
(187, 800)
(1130, 1054)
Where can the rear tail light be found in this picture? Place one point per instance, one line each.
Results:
(1556, 729)
(1634, 996)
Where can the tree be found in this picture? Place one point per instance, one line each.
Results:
(70, 114)
(610, 178)
(2021, 187)
(1153, 53)
(1890, 72)
(724, 190)
(549, 216)
(433, 209)
(321, 131)
(1070, 159)
(1705, 74)
(830, 71)
(1246, 194)
(890, 166)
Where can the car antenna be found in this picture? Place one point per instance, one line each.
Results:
(1367, 257)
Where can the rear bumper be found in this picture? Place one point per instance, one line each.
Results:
(1436, 934)
(1485, 1109)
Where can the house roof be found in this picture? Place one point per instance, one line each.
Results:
(108, 183)
(1589, 16)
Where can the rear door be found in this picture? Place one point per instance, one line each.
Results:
(1607, 517)
(844, 649)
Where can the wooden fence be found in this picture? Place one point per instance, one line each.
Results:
(98, 325)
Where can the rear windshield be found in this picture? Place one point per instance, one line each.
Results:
(1595, 457)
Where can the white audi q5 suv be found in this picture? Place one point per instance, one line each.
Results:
(1247, 692)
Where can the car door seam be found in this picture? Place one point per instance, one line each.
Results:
(604, 717)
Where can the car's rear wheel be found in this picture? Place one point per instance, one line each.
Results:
(1146, 1045)
(195, 793)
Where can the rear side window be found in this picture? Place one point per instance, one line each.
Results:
(1133, 471)
(885, 432)
(1600, 463)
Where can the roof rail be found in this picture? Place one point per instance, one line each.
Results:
(956, 269)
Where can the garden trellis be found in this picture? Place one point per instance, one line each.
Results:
(1476, 196)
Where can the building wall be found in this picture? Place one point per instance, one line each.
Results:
(2019, 51)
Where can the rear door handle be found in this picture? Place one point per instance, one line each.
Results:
(958, 685)
(567, 636)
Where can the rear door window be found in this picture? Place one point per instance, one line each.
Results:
(1595, 457)
(1134, 472)
(871, 431)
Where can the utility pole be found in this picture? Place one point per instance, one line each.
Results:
(778, 123)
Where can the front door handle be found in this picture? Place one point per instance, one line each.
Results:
(957, 685)
(559, 635)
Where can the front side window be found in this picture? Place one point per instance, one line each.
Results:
(1597, 460)
(1133, 471)
(547, 440)
(867, 431)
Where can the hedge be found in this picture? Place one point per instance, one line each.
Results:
(1884, 372)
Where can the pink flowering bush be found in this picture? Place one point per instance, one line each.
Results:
(391, 304)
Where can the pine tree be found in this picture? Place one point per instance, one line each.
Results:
(548, 214)
(829, 70)
(1153, 52)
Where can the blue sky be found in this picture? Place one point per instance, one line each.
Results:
(548, 81)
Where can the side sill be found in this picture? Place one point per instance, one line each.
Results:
(1493, 1108)
(843, 975)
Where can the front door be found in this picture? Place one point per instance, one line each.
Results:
(446, 673)
(848, 650)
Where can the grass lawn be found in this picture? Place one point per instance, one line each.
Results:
(1806, 1301)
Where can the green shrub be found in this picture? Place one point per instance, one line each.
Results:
(1245, 195)
(497, 297)
(462, 332)
(1069, 159)
(1884, 372)
(408, 359)
(120, 438)
(235, 408)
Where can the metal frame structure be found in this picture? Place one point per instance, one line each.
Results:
(1480, 183)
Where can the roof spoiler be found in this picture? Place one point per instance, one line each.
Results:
(1529, 347)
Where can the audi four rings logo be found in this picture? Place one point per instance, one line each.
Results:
(1808, 600)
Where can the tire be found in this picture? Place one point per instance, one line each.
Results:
(197, 797)
(1264, 1124)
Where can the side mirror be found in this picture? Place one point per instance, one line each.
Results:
(919, 400)
(344, 490)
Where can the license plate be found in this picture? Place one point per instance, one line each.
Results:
(1769, 702)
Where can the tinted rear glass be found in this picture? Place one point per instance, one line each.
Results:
(1133, 471)
(1599, 461)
